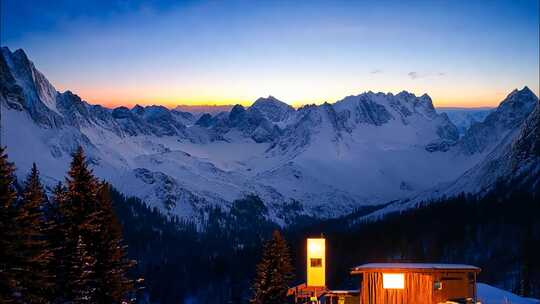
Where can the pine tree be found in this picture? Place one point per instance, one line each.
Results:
(77, 204)
(82, 275)
(87, 213)
(57, 237)
(112, 264)
(81, 197)
(35, 252)
(8, 228)
(274, 272)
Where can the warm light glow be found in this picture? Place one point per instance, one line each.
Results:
(316, 262)
(393, 280)
(314, 247)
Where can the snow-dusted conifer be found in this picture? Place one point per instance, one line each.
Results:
(34, 249)
(8, 228)
(274, 272)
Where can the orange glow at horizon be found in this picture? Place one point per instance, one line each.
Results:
(175, 101)
(114, 97)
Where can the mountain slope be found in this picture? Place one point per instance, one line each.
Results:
(516, 162)
(330, 159)
(508, 116)
(514, 159)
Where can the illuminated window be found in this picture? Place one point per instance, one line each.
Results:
(315, 262)
(393, 280)
(315, 246)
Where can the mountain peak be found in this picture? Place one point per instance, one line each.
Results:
(236, 112)
(5, 50)
(138, 109)
(508, 116)
(425, 96)
(405, 94)
(269, 99)
(238, 108)
(518, 94)
(20, 53)
(426, 101)
(272, 108)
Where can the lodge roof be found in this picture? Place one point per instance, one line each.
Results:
(413, 267)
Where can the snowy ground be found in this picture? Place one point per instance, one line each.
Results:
(490, 295)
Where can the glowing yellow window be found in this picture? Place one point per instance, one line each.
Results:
(393, 280)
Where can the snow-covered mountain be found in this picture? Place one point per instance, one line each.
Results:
(517, 161)
(500, 123)
(463, 118)
(273, 109)
(370, 148)
(512, 137)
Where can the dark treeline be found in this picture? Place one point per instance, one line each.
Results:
(179, 264)
(66, 249)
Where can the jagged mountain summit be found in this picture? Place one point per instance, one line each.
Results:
(507, 118)
(273, 109)
(516, 161)
(326, 159)
(514, 158)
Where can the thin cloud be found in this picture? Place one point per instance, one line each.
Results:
(376, 71)
(413, 75)
(416, 75)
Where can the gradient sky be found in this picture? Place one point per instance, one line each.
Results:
(121, 52)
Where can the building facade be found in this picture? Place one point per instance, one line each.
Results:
(401, 283)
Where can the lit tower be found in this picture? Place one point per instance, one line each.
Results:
(316, 262)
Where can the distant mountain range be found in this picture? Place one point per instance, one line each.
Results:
(201, 109)
(328, 159)
(463, 118)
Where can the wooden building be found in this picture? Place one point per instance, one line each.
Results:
(387, 283)
(402, 283)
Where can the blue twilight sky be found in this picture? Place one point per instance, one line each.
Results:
(462, 53)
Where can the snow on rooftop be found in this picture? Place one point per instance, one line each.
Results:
(414, 266)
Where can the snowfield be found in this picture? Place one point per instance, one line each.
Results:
(491, 295)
